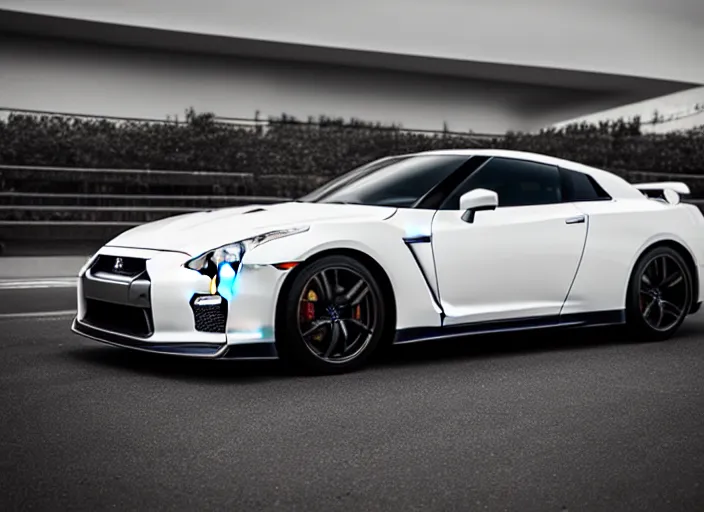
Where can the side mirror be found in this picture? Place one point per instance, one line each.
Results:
(477, 200)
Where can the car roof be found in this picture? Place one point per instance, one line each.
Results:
(614, 185)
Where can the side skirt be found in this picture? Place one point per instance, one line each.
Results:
(594, 319)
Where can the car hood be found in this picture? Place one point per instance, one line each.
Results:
(195, 233)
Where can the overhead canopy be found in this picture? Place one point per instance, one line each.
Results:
(627, 88)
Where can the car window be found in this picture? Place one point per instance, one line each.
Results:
(517, 182)
(343, 180)
(399, 182)
(577, 186)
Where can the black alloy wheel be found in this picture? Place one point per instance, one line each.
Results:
(334, 316)
(660, 295)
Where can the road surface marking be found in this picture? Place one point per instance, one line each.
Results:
(28, 284)
(38, 314)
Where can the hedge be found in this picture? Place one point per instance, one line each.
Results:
(322, 147)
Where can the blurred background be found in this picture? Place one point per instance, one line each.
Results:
(118, 113)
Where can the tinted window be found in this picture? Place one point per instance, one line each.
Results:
(577, 186)
(436, 197)
(397, 182)
(342, 180)
(517, 182)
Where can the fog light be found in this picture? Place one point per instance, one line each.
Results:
(210, 300)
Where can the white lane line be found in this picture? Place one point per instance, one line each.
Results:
(26, 284)
(39, 314)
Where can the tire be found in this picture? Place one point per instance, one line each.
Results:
(658, 303)
(332, 318)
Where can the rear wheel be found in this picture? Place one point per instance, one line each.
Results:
(333, 316)
(659, 294)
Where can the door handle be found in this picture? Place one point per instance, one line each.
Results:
(579, 219)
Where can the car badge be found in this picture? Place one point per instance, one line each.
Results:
(118, 264)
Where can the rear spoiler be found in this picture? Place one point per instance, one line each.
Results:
(675, 186)
(669, 191)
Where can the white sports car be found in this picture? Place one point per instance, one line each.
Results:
(424, 246)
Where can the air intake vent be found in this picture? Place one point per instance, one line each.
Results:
(254, 211)
(209, 318)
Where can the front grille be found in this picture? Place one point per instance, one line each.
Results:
(129, 320)
(129, 267)
(210, 318)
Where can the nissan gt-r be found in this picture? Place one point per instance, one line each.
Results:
(425, 246)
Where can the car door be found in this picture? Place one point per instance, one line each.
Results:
(517, 261)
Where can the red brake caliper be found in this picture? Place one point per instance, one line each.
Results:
(309, 312)
(308, 307)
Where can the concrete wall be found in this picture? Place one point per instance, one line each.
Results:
(644, 38)
(94, 79)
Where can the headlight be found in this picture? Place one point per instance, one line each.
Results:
(229, 254)
(211, 262)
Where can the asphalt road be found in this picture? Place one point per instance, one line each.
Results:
(545, 423)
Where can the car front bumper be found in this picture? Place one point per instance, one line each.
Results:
(149, 304)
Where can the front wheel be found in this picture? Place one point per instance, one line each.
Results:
(333, 316)
(659, 295)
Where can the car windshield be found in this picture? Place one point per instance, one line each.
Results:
(394, 181)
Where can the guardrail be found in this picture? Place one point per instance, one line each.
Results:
(173, 209)
(181, 174)
(142, 172)
(69, 223)
(72, 208)
(38, 228)
(146, 197)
